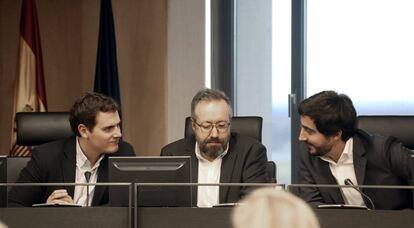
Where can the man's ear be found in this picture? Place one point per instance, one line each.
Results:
(338, 135)
(83, 131)
(193, 125)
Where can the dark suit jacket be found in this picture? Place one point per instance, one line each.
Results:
(55, 162)
(377, 161)
(245, 162)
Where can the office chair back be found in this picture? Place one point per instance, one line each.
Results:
(271, 171)
(35, 128)
(244, 125)
(400, 127)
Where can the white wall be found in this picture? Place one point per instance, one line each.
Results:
(185, 61)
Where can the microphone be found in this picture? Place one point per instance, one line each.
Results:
(348, 181)
(88, 177)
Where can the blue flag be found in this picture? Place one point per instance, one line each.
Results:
(106, 75)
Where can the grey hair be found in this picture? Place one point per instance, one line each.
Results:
(207, 94)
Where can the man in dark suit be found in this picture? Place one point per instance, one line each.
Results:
(339, 153)
(81, 158)
(217, 155)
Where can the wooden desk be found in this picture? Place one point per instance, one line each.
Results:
(186, 217)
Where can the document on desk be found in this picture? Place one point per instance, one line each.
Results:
(56, 205)
(225, 204)
(342, 206)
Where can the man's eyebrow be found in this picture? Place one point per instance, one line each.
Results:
(113, 125)
(108, 127)
(308, 128)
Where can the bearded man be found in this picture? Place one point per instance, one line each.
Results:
(339, 153)
(217, 154)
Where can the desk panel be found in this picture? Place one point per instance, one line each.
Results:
(220, 218)
(186, 217)
(105, 217)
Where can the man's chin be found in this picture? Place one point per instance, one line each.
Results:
(313, 152)
(311, 149)
(112, 150)
(214, 146)
(316, 153)
(213, 152)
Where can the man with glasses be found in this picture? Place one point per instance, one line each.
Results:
(218, 156)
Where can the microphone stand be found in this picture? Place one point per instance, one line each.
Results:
(348, 182)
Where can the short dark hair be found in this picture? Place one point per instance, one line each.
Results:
(331, 112)
(209, 95)
(86, 108)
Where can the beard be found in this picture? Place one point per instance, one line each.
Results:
(213, 147)
(317, 151)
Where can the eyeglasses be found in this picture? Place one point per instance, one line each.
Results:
(206, 127)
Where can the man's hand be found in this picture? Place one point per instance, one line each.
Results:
(59, 196)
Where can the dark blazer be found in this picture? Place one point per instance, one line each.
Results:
(245, 162)
(377, 161)
(55, 162)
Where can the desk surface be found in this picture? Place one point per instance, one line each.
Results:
(185, 217)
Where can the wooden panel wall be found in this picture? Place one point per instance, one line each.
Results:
(69, 34)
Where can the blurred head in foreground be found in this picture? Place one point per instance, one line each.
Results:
(270, 208)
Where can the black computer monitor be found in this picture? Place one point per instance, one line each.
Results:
(165, 169)
(3, 179)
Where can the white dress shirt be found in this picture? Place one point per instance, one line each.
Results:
(344, 169)
(208, 172)
(82, 166)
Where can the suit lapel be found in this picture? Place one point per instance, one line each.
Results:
(100, 191)
(227, 169)
(190, 151)
(68, 164)
(334, 193)
(360, 161)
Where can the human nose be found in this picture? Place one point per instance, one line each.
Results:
(214, 131)
(118, 133)
(302, 135)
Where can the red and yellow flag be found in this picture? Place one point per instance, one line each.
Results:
(30, 93)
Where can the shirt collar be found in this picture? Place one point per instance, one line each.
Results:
(82, 161)
(348, 152)
(201, 158)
